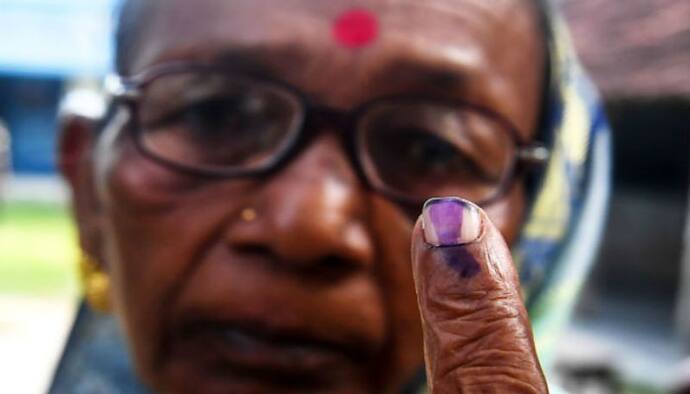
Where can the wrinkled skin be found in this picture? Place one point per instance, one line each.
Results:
(477, 335)
(325, 266)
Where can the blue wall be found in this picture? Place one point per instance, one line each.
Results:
(42, 44)
(29, 108)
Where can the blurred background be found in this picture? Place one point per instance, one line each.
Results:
(48, 48)
(633, 323)
(632, 329)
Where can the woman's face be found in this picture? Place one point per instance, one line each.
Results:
(315, 294)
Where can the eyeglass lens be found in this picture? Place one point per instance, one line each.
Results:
(214, 122)
(426, 149)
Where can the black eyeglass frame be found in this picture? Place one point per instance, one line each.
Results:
(128, 90)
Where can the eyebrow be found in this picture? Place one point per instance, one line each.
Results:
(423, 75)
(405, 73)
(261, 60)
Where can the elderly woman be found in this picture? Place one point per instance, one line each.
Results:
(248, 206)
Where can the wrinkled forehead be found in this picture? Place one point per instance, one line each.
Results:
(481, 50)
(175, 27)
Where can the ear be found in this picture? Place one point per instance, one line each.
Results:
(75, 161)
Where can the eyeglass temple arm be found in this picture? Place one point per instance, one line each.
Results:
(115, 86)
(533, 155)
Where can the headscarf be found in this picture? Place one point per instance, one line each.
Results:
(561, 235)
(554, 255)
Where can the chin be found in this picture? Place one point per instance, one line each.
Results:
(228, 358)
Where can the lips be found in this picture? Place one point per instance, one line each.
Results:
(257, 351)
(241, 325)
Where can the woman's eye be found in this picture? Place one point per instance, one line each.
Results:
(427, 155)
(426, 149)
(222, 115)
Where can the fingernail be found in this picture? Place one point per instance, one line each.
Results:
(450, 221)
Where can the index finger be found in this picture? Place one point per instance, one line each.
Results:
(477, 336)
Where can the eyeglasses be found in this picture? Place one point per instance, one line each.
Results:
(208, 121)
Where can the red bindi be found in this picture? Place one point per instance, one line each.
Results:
(356, 28)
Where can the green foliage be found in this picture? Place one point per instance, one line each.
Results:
(38, 249)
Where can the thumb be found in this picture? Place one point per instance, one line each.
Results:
(477, 337)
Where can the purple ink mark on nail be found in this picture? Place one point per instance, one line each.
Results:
(461, 261)
(446, 216)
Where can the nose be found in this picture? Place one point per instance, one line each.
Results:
(311, 215)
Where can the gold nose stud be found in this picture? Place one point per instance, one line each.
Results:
(248, 214)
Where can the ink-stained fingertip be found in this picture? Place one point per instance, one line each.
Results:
(450, 221)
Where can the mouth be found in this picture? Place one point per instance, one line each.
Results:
(254, 351)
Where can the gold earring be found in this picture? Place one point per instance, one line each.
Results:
(95, 283)
(248, 214)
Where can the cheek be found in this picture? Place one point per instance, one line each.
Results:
(507, 214)
(393, 229)
(156, 224)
